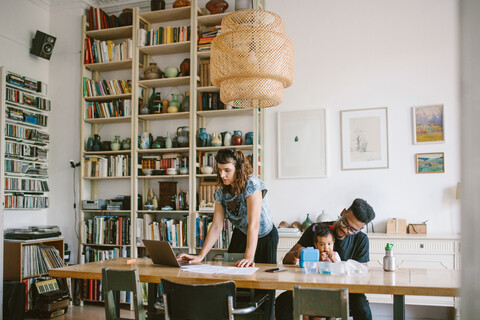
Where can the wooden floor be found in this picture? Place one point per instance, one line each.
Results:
(89, 312)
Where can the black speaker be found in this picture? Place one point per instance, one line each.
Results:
(42, 45)
(13, 300)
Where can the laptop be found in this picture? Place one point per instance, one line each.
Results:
(162, 254)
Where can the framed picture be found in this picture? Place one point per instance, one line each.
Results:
(364, 138)
(301, 144)
(430, 162)
(428, 124)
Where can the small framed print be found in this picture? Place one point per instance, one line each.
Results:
(430, 162)
(364, 138)
(428, 126)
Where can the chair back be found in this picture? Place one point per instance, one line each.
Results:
(320, 302)
(197, 301)
(232, 257)
(114, 281)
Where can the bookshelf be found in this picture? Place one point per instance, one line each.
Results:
(29, 259)
(24, 135)
(181, 223)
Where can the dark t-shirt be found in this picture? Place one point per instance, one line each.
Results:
(353, 246)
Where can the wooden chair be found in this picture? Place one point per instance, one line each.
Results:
(320, 302)
(203, 301)
(114, 281)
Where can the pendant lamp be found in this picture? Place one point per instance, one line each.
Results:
(251, 61)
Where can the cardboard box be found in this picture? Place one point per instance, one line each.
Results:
(396, 226)
(420, 228)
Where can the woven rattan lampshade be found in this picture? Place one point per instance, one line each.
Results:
(251, 61)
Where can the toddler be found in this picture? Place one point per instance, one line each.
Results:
(323, 240)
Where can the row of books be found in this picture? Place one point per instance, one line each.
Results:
(156, 164)
(207, 159)
(105, 87)
(93, 254)
(98, 19)
(211, 101)
(26, 83)
(92, 291)
(204, 72)
(24, 116)
(171, 230)
(206, 190)
(15, 131)
(202, 226)
(107, 230)
(111, 109)
(97, 51)
(163, 35)
(112, 166)
(17, 166)
(206, 36)
(28, 100)
(26, 202)
(25, 151)
(38, 259)
(25, 185)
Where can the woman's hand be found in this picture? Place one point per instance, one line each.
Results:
(244, 263)
(190, 258)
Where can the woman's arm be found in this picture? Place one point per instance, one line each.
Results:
(212, 236)
(254, 211)
(293, 255)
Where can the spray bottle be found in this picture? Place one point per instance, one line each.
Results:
(389, 259)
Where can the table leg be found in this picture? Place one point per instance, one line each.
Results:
(152, 313)
(399, 307)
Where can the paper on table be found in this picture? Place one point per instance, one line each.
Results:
(209, 269)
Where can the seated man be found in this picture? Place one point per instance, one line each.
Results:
(350, 244)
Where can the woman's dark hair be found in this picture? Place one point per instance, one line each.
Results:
(362, 210)
(322, 230)
(242, 169)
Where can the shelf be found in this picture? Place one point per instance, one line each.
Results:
(164, 116)
(166, 15)
(25, 176)
(208, 89)
(37, 94)
(109, 97)
(111, 33)
(106, 178)
(169, 48)
(28, 142)
(109, 120)
(225, 113)
(24, 191)
(25, 124)
(106, 211)
(24, 106)
(105, 153)
(211, 149)
(163, 150)
(110, 66)
(202, 175)
(105, 245)
(211, 19)
(163, 211)
(19, 209)
(165, 82)
(203, 54)
(165, 176)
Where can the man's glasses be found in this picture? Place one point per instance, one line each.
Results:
(344, 224)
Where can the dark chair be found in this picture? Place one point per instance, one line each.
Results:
(203, 301)
(114, 281)
(320, 302)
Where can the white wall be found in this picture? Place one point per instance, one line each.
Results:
(364, 54)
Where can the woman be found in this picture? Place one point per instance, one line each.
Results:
(240, 199)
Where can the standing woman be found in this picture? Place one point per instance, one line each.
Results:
(241, 198)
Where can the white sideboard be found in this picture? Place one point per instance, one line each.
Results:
(439, 251)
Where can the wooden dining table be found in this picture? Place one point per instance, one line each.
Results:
(399, 283)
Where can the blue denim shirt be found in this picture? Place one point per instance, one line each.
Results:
(235, 207)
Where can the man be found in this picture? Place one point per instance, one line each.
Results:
(350, 244)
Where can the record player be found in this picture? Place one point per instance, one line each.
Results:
(32, 232)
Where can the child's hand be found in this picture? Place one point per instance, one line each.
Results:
(331, 256)
(324, 256)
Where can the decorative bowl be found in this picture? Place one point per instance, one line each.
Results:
(149, 207)
(147, 172)
(184, 170)
(207, 170)
(172, 171)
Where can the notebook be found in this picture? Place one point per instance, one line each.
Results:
(162, 253)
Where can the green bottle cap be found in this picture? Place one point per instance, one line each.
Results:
(389, 246)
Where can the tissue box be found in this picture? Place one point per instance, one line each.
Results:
(309, 254)
(397, 226)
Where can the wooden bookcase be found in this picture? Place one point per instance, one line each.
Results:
(137, 183)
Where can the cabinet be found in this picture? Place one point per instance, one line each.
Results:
(410, 251)
(27, 259)
(24, 136)
(164, 173)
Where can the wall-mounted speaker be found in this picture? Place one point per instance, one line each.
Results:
(42, 45)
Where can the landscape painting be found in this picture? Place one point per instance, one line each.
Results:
(428, 124)
(430, 162)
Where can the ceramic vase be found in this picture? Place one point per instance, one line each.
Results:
(185, 67)
(227, 139)
(216, 141)
(186, 102)
(157, 5)
(180, 3)
(96, 143)
(115, 145)
(89, 144)
(307, 222)
(202, 138)
(126, 144)
(249, 138)
(126, 17)
(183, 136)
(168, 142)
(152, 71)
(237, 137)
(145, 141)
(216, 6)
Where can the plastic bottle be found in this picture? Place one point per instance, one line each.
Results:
(389, 259)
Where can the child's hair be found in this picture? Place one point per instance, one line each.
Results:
(322, 230)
